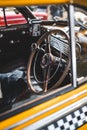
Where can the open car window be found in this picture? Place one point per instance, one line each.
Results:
(11, 16)
(35, 60)
(81, 40)
(2, 23)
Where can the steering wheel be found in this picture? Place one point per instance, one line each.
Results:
(47, 67)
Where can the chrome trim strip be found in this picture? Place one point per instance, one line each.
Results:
(48, 109)
(55, 115)
(73, 45)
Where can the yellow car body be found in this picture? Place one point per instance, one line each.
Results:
(39, 2)
(36, 117)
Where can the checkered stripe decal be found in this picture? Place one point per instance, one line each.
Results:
(69, 122)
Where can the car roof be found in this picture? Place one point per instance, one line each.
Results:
(40, 2)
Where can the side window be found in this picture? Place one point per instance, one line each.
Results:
(81, 49)
(2, 22)
(13, 16)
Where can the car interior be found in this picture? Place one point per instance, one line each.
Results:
(35, 55)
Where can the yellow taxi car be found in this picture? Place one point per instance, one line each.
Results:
(43, 68)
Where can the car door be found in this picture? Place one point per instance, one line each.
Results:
(14, 33)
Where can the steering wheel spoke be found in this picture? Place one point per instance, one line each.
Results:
(46, 76)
